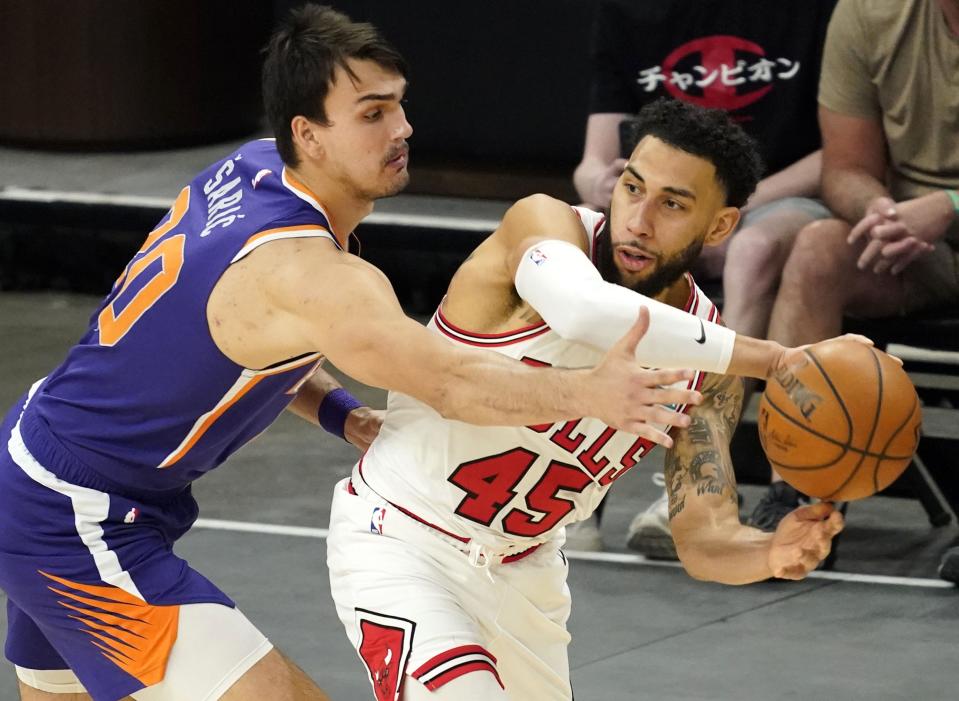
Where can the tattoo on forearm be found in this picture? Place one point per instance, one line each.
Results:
(710, 475)
(699, 463)
(727, 399)
(674, 472)
(699, 432)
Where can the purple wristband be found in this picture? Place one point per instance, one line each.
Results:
(334, 408)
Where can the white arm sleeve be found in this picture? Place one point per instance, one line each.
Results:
(561, 284)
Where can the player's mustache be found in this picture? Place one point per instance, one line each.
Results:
(397, 151)
(635, 245)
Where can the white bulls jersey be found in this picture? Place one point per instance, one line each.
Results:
(506, 488)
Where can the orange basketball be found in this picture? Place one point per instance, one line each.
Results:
(842, 422)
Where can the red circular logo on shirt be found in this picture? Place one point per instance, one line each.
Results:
(727, 78)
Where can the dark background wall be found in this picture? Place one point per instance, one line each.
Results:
(498, 90)
(499, 81)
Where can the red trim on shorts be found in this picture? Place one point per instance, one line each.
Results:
(447, 666)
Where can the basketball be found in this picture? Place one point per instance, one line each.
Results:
(842, 422)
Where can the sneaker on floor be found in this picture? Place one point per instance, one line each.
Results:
(949, 565)
(649, 532)
(584, 535)
(778, 501)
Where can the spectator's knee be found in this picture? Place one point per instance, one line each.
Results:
(755, 259)
(820, 254)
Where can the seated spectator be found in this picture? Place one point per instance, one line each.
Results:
(889, 115)
(762, 66)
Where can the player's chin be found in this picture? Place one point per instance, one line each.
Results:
(397, 184)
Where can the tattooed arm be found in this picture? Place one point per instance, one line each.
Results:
(704, 511)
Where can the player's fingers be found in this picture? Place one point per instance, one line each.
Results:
(644, 430)
(663, 416)
(814, 512)
(670, 395)
(665, 378)
(627, 344)
(794, 572)
(858, 338)
(835, 523)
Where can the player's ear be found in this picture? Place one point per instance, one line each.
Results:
(307, 138)
(723, 224)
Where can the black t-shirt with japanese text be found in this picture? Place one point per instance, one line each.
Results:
(757, 59)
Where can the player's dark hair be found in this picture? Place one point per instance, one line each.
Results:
(709, 134)
(301, 60)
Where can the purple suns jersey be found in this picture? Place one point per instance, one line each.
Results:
(145, 399)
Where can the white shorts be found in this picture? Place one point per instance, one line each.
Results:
(216, 645)
(412, 604)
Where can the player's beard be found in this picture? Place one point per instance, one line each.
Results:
(667, 270)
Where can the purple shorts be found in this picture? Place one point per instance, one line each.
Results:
(90, 575)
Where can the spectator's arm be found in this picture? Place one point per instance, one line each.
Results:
(853, 163)
(800, 179)
(597, 172)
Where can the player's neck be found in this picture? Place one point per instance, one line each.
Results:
(344, 209)
(677, 294)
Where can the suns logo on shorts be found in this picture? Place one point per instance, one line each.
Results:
(376, 520)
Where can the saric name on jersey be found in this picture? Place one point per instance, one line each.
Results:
(223, 200)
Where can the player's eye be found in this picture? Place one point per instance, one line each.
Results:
(632, 188)
(673, 204)
(373, 116)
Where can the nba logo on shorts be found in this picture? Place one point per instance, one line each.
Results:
(537, 256)
(376, 520)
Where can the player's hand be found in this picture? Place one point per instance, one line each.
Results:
(803, 540)
(629, 398)
(362, 426)
(790, 356)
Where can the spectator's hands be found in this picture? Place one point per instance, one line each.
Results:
(803, 540)
(601, 191)
(362, 426)
(897, 234)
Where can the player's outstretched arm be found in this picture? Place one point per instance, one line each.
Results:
(703, 507)
(351, 315)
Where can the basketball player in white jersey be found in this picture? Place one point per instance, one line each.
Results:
(444, 544)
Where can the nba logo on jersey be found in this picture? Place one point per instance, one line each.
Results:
(376, 520)
(131, 515)
(537, 256)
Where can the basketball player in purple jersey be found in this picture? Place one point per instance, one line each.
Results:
(218, 323)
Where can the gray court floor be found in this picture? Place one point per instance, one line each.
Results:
(640, 631)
